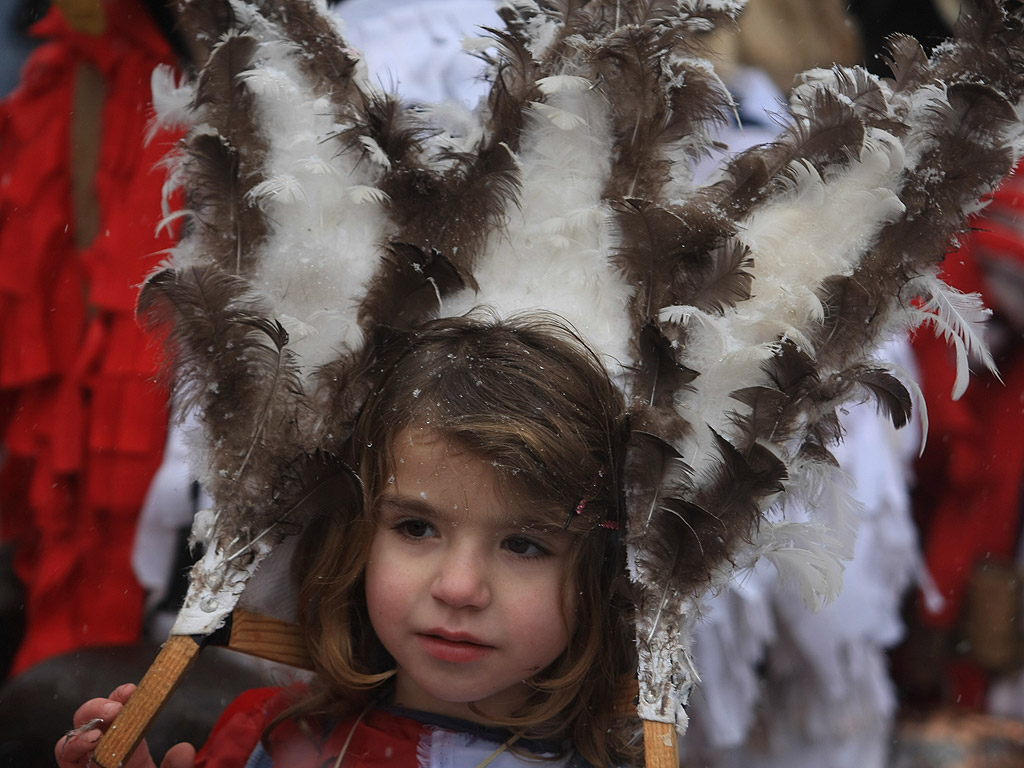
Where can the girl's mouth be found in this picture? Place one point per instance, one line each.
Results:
(453, 646)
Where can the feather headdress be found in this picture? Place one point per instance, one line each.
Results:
(736, 314)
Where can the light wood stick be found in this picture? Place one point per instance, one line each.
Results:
(268, 638)
(661, 745)
(159, 682)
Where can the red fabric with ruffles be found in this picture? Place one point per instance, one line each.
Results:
(84, 423)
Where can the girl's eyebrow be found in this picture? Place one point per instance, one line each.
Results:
(401, 503)
(535, 524)
(412, 504)
(520, 521)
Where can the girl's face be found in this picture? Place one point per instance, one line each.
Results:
(465, 587)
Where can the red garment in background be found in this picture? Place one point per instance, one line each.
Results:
(971, 476)
(83, 424)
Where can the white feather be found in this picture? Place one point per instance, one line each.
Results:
(562, 118)
(316, 254)
(284, 189)
(166, 222)
(958, 316)
(316, 166)
(374, 151)
(172, 96)
(555, 251)
(556, 83)
(360, 194)
(917, 399)
(803, 558)
(269, 83)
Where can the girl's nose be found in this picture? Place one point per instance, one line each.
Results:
(462, 580)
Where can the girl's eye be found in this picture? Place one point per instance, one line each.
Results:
(415, 528)
(523, 546)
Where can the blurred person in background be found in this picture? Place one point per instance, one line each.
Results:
(959, 671)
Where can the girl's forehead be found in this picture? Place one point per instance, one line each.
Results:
(429, 467)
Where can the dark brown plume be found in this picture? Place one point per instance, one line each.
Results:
(658, 378)
(232, 365)
(908, 62)
(454, 212)
(890, 396)
(226, 162)
(514, 86)
(410, 288)
(656, 104)
(691, 532)
(727, 282)
(332, 68)
(203, 22)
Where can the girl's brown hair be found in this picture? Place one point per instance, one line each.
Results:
(528, 396)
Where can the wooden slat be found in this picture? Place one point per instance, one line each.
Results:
(159, 682)
(661, 745)
(268, 638)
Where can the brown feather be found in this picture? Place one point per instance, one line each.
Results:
(767, 417)
(659, 375)
(233, 367)
(987, 48)
(865, 94)
(831, 136)
(455, 212)
(230, 225)
(727, 281)
(652, 239)
(203, 23)
(513, 87)
(890, 396)
(908, 63)
(331, 64)
(223, 173)
(691, 533)
(660, 471)
(409, 288)
(814, 452)
(674, 254)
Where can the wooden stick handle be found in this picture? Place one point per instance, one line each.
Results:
(159, 682)
(661, 745)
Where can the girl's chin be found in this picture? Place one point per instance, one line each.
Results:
(457, 701)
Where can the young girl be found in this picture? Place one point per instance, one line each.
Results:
(468, 609)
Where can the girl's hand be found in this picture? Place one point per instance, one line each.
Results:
(92, 719)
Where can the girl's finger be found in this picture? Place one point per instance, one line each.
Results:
(180, 756)
(76, 747)
(94, 710)
(103, 709)
(123, 692)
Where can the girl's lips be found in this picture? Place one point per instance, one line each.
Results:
(456, 648)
